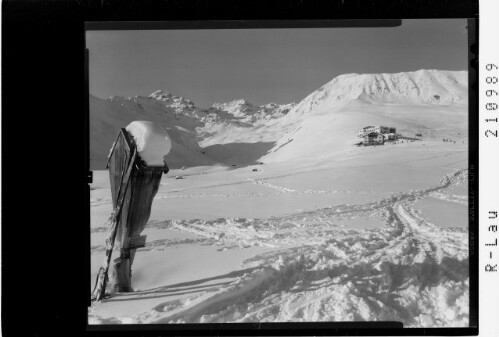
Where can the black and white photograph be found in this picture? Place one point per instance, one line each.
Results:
(280, 175)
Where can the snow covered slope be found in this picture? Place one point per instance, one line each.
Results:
(318, 241)
(324, 123)
(324, 231)
(418, 87)
(188, 125)
(327, 121)
(108, 116)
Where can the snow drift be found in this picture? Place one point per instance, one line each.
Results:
(153, 143)
(306, 266)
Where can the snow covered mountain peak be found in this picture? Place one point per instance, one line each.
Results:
(422, 86)
(247, 112)
(236, 107)
(240, 101)
(178, 103)
(167, 97)
(160, 95)
(418, 87)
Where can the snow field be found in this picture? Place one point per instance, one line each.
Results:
(310, 265)
(272, 214)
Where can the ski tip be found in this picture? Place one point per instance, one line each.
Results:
(105, 296)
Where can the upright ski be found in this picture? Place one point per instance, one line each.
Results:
(102, 277)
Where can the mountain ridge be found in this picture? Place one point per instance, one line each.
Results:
(417, 87)
(239, 121)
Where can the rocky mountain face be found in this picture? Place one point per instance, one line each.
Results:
(249, 113)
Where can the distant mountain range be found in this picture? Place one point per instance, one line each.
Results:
(205, 136)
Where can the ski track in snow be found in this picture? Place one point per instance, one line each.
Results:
(409, 270)
(101, 200)
(98, 201)
(267, 184)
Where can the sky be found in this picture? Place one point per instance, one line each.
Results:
(264, 65)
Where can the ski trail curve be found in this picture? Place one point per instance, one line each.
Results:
(408, 270)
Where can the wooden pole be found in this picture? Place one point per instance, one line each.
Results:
(144, 185)
(121, 275)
